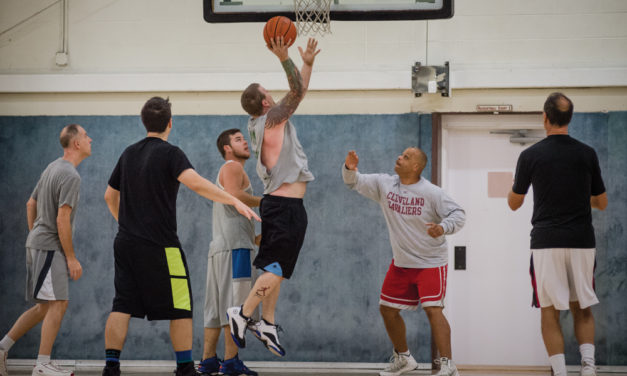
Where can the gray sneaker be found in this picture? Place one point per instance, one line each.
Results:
(50, 369)
(588, 369)
(399, 364)
(3, 363)
(447, 368)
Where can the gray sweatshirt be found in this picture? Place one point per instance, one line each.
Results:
(407, 209)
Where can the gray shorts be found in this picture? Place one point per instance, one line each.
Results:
(230, 277)
(47, 276)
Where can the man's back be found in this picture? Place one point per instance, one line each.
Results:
(564, 174)
(146, 176)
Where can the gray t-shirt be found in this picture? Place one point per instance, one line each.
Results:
(291, 166)
(231, 230)
(58, 185)
(407, 209)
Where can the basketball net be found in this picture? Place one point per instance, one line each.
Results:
(313, 17)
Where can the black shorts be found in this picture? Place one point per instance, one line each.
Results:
(283, 226)
(151, 281)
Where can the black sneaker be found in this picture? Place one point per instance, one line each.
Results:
(187, 370)
(210, 366)
(111, 371)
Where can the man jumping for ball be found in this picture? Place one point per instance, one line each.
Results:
(282, 166)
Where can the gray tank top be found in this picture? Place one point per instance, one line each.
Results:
(291, 166)
(231, 230)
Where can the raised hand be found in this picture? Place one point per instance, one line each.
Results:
(309, 55)
(352, 160)
(279, 47)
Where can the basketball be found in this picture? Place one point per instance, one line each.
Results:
(280, 26)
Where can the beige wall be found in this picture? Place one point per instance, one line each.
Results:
(121, 52)
(316, 102)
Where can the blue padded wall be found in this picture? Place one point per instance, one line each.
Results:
(329, 308)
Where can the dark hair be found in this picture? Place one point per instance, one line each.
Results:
(156, 114)
(225, 139)
(67, 134)
(558, 109)
(251, 100)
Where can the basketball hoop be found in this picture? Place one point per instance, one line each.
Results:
(313, 17)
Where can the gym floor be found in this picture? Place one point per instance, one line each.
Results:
(165, 368)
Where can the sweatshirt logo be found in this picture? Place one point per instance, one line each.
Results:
(405, 205)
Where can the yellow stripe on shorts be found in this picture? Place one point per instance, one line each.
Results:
(180, 288)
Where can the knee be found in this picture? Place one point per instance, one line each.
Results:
(58, 306)
(579, 313)
(41, 309)
(433, 312)
(388, 312)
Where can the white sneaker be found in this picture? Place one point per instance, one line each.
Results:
(399, 364)
(238, 324)
(3, 363)
(447, 368)
(268, 334)
(588, 369)
(50, 369)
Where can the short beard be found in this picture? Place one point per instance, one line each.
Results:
(241, 156)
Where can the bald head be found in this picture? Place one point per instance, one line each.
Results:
(558, 109)
(67, 135)
(419, 157)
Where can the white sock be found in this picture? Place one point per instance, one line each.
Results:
(558, 363)
(587, 353)
(43, 359)
(406, 353)
(6, 343)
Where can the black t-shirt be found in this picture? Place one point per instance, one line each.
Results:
(564, 174)
(146, 176)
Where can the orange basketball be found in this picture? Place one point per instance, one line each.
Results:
(280, 26)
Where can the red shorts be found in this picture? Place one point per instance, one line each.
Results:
(404, 288)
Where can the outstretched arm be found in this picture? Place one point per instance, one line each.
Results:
(207, 189)
(298, 83)
(232, 179)
(308, 56)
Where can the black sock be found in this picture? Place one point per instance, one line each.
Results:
(112, 357)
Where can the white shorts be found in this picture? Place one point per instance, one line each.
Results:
(563, 275)
(230, 277)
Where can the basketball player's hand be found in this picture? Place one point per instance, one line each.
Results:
(434, 230)
(279, 47)
(309, 55)
(352, 160)
(75, 268)
(244, 210)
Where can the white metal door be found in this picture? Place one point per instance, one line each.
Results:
(489, 303)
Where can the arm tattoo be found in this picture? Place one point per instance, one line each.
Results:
(289, 103)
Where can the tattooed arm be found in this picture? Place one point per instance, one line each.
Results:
(279, 114)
